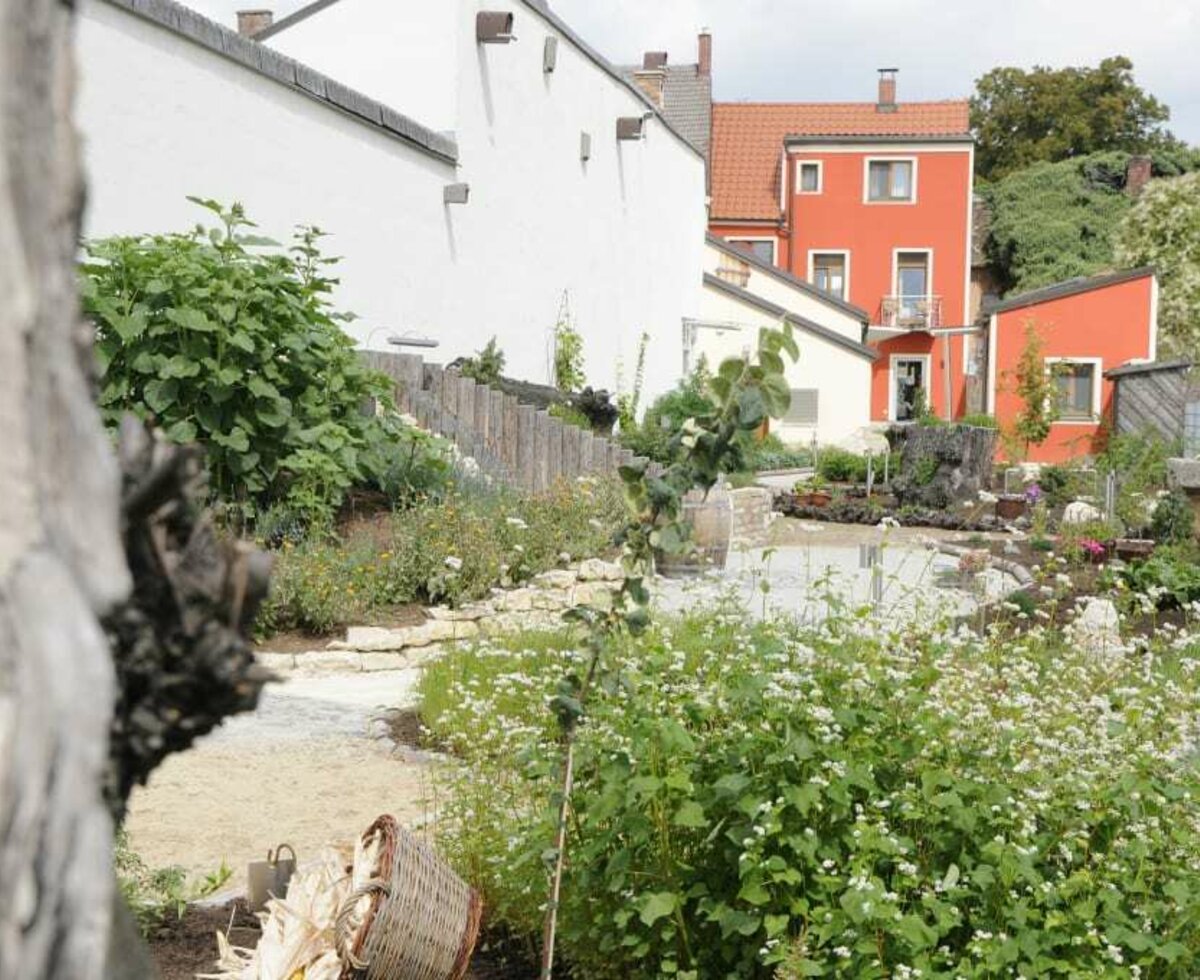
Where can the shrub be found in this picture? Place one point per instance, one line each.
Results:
(980, 420)
(570, 415)
(448, 551)
(486, 366)
(1174, 520)
(239, 350)
(841, 466)
(856, 800)
(154, 895)
(772, 453)
(1171, 576)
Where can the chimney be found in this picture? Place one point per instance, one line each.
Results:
(1137, 175)
(652, 77)
(887, 90)
(251, 22)
(704, 66)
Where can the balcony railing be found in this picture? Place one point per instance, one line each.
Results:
(911, 312)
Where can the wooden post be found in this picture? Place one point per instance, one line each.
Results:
(586, 440)
(599, 454)
(541, 451)
(466, 413)
(570, 451)
(526, 446)
(496, 425)
(511, 454)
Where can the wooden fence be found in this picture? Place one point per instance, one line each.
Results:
(519, 445)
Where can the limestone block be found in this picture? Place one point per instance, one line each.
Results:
(1097, 627)
(551, 599)
(385, 661)
(1081, 512)
(559, 578)
(276, 661)
(342, 661)
(1184, 474)
(599, 570)
(597, 594)
(518, 600)
(465, 614)
(357, 635)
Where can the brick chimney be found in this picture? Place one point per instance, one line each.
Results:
(1137, 175)
(652, 77)
(704, 63)
(251, 22)
(887, 90)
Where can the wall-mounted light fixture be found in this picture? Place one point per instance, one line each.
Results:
(456, 193)
(585, 146)
(409, 340)
(550, 54)
(631, 127)
(494, 27)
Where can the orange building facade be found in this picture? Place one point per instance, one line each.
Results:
(1087, 327)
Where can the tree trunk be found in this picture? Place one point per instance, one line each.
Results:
(61, 558)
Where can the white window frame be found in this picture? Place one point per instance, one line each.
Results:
(892, 360)
(1097, 364)
(820, 165)
(889, 159)
(914, 250)
(812, 266)
(757, 238)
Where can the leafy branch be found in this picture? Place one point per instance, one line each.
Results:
(742, 393)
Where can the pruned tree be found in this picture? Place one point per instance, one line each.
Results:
(61, 559)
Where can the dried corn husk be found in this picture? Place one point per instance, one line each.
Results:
(298, 940)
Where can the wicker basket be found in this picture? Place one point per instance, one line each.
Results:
(422, 922)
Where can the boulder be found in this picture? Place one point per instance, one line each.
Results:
(1097, 627)
(599, 570)
(559, 578)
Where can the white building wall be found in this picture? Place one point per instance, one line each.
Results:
(620, 236)
(776, 290)
(163, 117)
(730, 327)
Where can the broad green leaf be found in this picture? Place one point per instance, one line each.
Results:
(160, 393)
(690, 814)
(657, 905)
(190, 319)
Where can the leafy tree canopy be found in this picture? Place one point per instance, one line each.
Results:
(1023, 117)
(1055, 221)
(1163, 229)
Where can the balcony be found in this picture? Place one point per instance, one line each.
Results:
(911, 312)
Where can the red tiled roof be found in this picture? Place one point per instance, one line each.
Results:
(747, 142)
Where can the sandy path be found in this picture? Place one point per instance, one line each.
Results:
(302, 769)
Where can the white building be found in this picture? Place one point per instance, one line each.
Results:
(363, 117)
(831, 379)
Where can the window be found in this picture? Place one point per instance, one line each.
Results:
(808, 180)
(890, 180)
(803, 408)
(1076, 383)
(760, 248)
(829, 273)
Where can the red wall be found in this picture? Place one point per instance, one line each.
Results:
(726, 230)
(839, 219)
(1112, 322)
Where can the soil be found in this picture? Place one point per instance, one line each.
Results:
(412, 614)
(184, 947)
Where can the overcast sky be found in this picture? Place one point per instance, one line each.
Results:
(779, 50)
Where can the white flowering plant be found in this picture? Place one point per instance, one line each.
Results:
(860, 798)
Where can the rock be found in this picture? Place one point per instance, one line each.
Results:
(276, 661)
(330, 660)
(465, 614)
(356, 635)
(1097, 627)
(385, 661)
(599, 570)
(374, 639)
(1183, 474)
(559, 578)
(1081, 512)
(518, 600)
(599, 594)
(551, 600)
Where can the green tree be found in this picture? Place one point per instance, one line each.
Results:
(1023, 117)
(1163, 229)
(486, 366)
(1038, 390)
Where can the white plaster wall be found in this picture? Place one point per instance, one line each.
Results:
(621, 236)
(403, 54)
(842, 378)
(793, 300)
(162, 117)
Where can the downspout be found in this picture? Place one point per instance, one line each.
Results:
(947, 369)
(786, 218)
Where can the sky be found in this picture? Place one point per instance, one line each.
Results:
(802, 50)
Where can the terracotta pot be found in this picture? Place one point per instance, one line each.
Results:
(711, 521)
(1133, 549)
(1010, 507)
(814, 498)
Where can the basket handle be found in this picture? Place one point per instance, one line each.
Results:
(279, 853)
(341, 924)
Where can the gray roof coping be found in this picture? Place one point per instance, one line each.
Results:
(882, 138)
(1148, 367)
(1068, 287)
(248, 53)
(538, 7)
(803, 323)
(788, 279)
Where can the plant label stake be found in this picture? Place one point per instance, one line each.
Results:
(870, 472)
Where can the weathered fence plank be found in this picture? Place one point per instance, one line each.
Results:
(541, 450)
(586, 439)
(526, 446)
(554, 452)
(511, 452)
(570, 451)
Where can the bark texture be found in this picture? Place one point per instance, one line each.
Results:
(61, 560)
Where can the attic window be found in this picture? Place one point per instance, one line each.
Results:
(494, 27)
(630, 127)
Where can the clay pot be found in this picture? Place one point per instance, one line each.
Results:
(1133, 549)
(1010, 506)
(711, 519)
(814, 498)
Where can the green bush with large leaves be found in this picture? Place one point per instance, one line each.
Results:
(230, 341)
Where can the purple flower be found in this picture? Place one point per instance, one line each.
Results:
(1033, 493)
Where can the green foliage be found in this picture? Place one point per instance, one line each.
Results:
(851, 800)
(1170, 577)
(453, 549)
(770, 453)
(1174, 520)
(486, 366)
(628, 401)
(979, 420)
(841, 466)
(1162, 229)
(1021, 117)
(925, 470)
(1061, 484)
(1139, 461)
(570, 415)
(568, 356)
(239, 350)
(1036, 388)
(156, 894)
(654, 438)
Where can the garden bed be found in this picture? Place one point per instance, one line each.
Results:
(854, 507)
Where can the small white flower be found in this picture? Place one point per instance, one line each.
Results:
(453, 563)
